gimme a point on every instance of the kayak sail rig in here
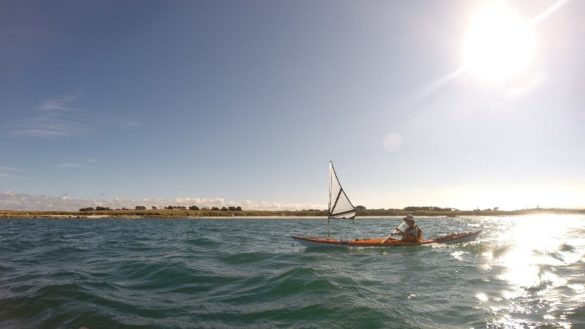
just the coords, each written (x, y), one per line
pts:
(339, 204)
(341, 207)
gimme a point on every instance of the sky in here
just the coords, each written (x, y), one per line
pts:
(246, 102)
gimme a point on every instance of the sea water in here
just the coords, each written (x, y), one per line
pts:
(522, 272)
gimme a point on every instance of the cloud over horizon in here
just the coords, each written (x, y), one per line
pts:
(18, 201)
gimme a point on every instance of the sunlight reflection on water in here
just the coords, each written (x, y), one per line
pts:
(536, 257)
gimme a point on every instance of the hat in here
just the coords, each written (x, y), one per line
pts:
(408, 217)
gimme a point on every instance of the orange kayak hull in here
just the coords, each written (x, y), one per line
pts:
(379, 242)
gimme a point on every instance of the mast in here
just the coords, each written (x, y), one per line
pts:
(331, 173)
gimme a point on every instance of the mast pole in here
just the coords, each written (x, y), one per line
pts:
(329, 206)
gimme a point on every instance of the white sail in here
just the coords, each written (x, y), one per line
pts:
(339, 204)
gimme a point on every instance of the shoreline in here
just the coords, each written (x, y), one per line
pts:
(260, 214)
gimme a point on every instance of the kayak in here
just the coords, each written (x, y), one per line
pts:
(315, 242)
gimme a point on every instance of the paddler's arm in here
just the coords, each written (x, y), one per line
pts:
(391, 234)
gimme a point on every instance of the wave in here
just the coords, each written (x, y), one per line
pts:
(230, 274)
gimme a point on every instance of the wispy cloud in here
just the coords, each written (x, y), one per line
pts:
(63, 117)
(46, 127)
(58, 104)
(9, 173)
(14, 201)
(53, 118)
(77, 163)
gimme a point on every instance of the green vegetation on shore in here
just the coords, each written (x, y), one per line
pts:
(214, 212)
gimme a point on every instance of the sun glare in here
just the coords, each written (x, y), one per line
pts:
(499, 43)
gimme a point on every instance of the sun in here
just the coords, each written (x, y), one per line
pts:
(499, 44)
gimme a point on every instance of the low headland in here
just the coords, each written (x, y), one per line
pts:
(182, 212)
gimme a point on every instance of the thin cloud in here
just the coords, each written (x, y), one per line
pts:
(77, 163)
(62, 117)
(58, 104)
(9, 173)
(46, 126)
(110, 120)
(54, 118)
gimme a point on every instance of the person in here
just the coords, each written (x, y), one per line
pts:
(412, 233)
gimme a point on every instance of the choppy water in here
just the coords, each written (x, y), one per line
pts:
(524, 272)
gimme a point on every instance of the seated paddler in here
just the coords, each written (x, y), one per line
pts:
(408, 230)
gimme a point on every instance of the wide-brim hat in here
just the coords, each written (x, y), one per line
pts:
(408, 217)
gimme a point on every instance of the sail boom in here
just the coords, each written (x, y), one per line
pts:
(343, 213)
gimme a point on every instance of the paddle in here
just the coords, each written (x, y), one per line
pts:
(396, 231)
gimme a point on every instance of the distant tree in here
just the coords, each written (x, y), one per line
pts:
(87, 209)
(169, 207)
(214, 208)
(140, 208)
(223, 209)
(102, 208)
(238, 208)
(360, 207)
(232, 208)
(153, 207)
(431, 208)
(193, 208)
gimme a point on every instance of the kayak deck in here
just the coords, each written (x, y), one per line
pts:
(379, 242)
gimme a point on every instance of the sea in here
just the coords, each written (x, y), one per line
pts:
(522, 272)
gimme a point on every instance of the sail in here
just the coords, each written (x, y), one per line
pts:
(339, 204)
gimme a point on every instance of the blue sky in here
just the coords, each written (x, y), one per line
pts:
(246, 102)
